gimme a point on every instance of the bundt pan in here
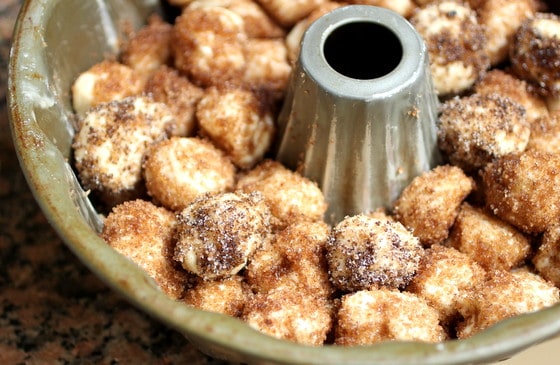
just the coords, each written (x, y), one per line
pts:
(54, 40)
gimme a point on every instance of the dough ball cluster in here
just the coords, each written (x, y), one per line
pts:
(174, 140)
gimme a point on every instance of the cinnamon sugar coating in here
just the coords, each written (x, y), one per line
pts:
(144, 233)
(493, 243)
(167, 86)
(226, 296)
(181, 169)
(446, 279)
(535, 52)
(287, 193)
(371, 316)
(519, 189)
(456, 44)
(545, 134)
(504, 295)
(429, 205)
(476, 129)
(547, 257)
(217, 234)
(364, 252)
(111, 143)
(238, 122)
(294, 258)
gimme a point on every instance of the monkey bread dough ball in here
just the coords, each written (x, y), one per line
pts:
(180, 169)
(149, 48)
(476, 129)
(111, 142)
(500, 19)
(288, 13)
(217, 234)
(226, 296)
(456, 44)
(144, 233)
(535, 53)
(208, 45)
(293, 258)
(238, 123)
(547, 257)
(267, 69)
(258, 24)
(504, 295)
(497, 81)
(104, 82)
(167, 86)
(370, 316)
(446, 278)
(493, 243)
(364, 252)
(522, 189)
(429, 205)
(287, 193)
(290, 315)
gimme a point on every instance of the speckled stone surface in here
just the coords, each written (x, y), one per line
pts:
(53, 310)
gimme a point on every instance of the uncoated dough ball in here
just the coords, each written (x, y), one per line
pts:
(216, 234)
(364, 252)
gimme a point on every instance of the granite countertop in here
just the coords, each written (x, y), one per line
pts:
(53, 310)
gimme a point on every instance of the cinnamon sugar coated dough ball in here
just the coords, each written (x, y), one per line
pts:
(238, 123)
(547, 257)
(113, 137)
(500, 19)
(289, 12)
(287, 193)
(226, 296)
(476, 129)
(545, 134)
(371, 316)
(167, 86)
(257, 23)
(446, 279)
(180, 169)
(267, 69)
(144, 233)
(149, 48)
(208, 45)
(522, 189)
(364, 252)
(506, 295)
(290, 315)
(430, 203)
(104, 82)
(217, 234)
(455, 42)
(493, 243)
(294, 258)
(538, 61)
(497, 81)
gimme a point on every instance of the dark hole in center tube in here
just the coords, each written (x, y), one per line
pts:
(363, 50)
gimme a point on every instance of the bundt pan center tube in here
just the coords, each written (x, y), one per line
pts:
(360, 112)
